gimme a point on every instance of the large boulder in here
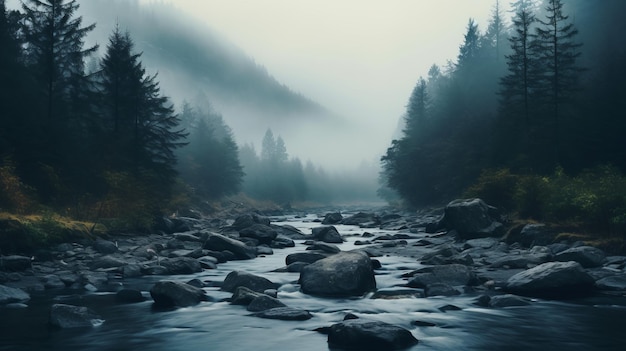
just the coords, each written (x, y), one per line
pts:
(218, 242)
(327, 234)
(253, 282)
(613, 282)
(12, 295)
(264, 302)
(587, 256)
(168, 293)
(70, 316)
(552, 279)
(361, 334)
(261, 232)
(472, 218)
(450, 274)
(344, 274)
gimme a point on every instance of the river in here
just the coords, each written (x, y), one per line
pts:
(588, 324)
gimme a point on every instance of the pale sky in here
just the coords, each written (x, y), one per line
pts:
(359, 58)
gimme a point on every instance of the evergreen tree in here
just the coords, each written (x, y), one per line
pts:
(516, 88)
(55, 48)
(469, 51)
(144, 128)
(556, 52)
(496, 31)
(417, 110)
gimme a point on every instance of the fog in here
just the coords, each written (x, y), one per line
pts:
(357, 59)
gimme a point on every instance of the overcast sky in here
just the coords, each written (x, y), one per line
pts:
(360, 58)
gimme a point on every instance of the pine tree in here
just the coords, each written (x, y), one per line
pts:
(517, 84)
(144, 128)
(417, 110)
(55, 48)
(495, 31)
(556, 52)
(468, 52)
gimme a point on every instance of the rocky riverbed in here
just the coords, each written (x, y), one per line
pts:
(340, 276)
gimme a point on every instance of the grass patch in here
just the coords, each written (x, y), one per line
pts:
(28, 233)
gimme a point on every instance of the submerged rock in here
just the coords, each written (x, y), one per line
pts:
(253, 282)
(176, 294)
(12, 295)
(361, 334)
(285, 314)
(70, 316)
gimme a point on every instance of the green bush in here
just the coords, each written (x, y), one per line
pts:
(594, 199)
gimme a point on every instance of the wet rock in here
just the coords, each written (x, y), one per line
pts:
(615, 282)
(105, 246)
(288, 231)
(324, 247)
(52, 281)
(282, 242)
(12, 295)
(244, 296)
(218, 242)
(535, 234)
(521, 261)
(129, 296)
(552, 279)
(181, 265)
(249, 219)
(361, 334)
(132, 271)
(451, 274)
(507, 300)
(187, 237)
(472, 218)
(107, 262)
(96, 279)
(174, 244)
(176, 294)
(361, 219)
(263, 233)
(264, 302)
(253, 282)
(264, 250)
(308, 257)
(343, 274)
(15, 263)
(440, 289)
(327, 234)
(587, 256)
(70, 316)
(395, 293)
(332, 218)
(285, 314)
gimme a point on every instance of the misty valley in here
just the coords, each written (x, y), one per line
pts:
(161, 189)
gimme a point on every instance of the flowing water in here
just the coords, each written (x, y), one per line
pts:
(590, 324)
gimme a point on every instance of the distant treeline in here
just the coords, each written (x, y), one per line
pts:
(525, 96)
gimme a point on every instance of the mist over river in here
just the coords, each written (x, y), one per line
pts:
(586, 324)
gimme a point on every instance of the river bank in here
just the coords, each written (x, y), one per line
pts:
(429, 281)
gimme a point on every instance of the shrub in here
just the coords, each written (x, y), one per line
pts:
(495, 186)
(14, 195)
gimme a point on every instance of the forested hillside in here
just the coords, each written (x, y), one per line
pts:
(529, 115)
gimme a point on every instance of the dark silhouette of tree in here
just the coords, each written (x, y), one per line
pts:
(417, 109)
(145, 130)
(556, 52)
(55, 48)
